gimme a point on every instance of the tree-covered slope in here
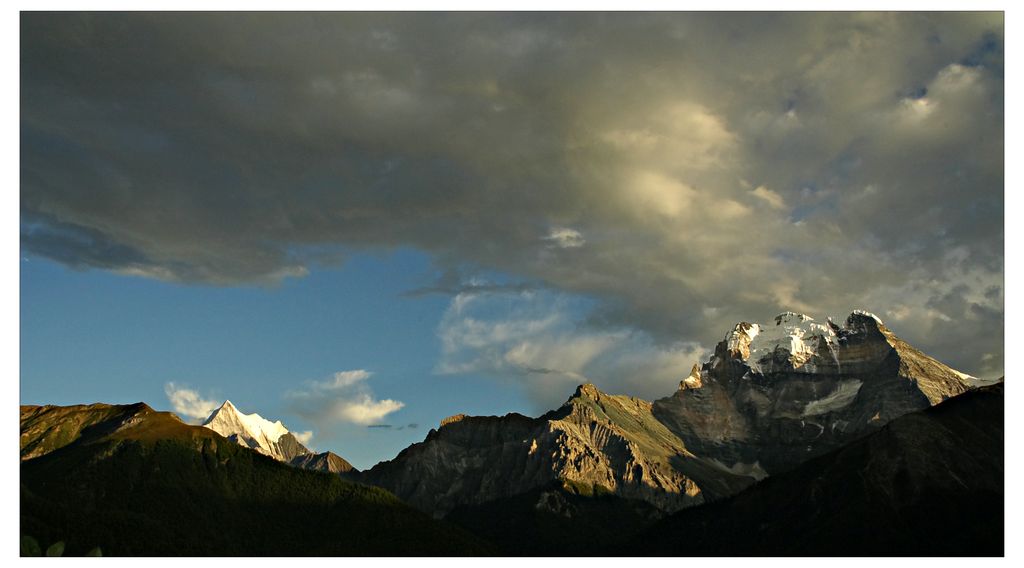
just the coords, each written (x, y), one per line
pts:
(139, 482)
(563, 519)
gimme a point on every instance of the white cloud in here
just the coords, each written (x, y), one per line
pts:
(188, 402)
(344, 397)
(773, 199)
(344, 379)
(539, 339)
(304, 438)
(565, 238)
(363, 409)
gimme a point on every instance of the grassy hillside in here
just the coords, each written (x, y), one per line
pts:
(138, 482)
(46, 428)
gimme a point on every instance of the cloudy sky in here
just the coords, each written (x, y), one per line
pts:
(360, 223)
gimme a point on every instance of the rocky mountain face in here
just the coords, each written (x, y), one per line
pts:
(771, 397)
(324, 461)
(595, 441)
(46, 428)
(930, 483)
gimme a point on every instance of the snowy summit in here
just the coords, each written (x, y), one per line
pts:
(254, 431)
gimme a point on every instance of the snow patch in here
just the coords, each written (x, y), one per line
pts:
(739, 468)
(796, 333)
(975, 382)
(840, 398)
(795, 343)
(741, 336)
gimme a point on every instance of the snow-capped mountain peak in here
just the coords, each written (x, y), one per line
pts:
(254, 431)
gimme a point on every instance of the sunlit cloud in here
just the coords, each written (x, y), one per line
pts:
(305, 438)
(566, 238)
(188, 402)
(541, 341)
(344, 397)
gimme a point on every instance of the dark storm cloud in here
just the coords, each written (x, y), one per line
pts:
(687, 170)
(76, 246)
(390, 426)
(454, 281)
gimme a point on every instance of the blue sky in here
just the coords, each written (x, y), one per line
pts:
(95, 336)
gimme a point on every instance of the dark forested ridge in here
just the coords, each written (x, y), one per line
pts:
(927, 484)
(139, 482)
(563, 519)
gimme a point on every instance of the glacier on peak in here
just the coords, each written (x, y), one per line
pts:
(797, 334)
(793, 341)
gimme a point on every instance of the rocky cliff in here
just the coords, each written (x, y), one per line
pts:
(324, 461)
(593, 443)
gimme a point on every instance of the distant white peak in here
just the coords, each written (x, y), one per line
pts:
(228, 420)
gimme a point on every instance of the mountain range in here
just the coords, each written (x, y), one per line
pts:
(769, 398)
(137, 482)
(790, 428)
